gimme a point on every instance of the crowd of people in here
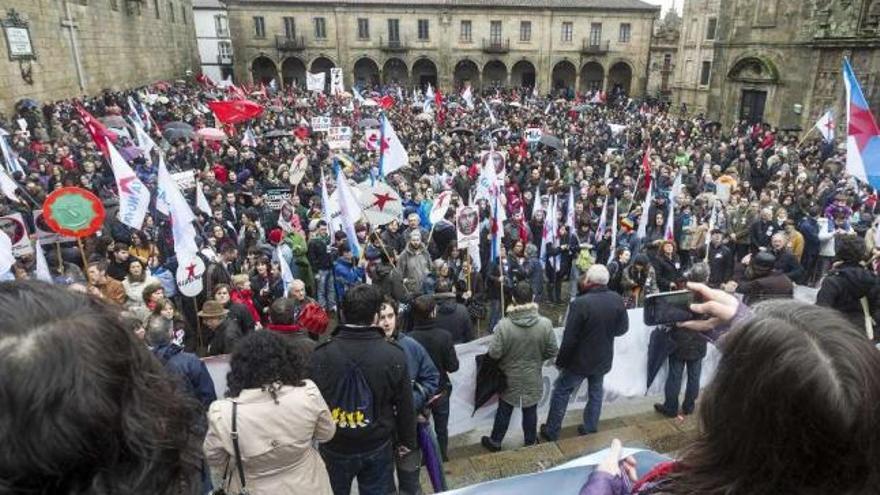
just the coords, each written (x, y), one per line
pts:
(617, 200)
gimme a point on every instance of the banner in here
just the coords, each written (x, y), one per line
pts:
(339, 138)
(533, 134)
(185, 179)
(320, 124)
(44, 234)
(276, 196)
(380, 202)
(467, 224)
(336, 86)
(14, 227)
(315, 82)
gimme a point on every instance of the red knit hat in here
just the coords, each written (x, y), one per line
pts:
(275, 236)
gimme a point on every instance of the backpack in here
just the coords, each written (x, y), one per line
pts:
(352, 407)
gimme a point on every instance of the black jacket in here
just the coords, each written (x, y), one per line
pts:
(668, 274)
(844, 287)
(383, 364)
(318, 254)
(720, 264)
(689, 345)
(773, 286)
(760, 233)
(438, 342)
(788, 265)
(388, 280)
(224, 337)
(241, 315)
(453, 317)
(594, 319)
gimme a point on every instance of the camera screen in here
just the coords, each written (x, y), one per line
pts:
(673, 307)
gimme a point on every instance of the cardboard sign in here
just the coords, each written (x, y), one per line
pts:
(339, 138)
(494, 157)
(277, 196)
(533, 134)
(336, 86)
(315, 82)
(14, 227)
(320, 124)
(185, 179)
(44, 234)
(298, 168)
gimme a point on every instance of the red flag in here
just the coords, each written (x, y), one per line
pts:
(235, 111)
(646, 166)
(236, 92)
(386, 102)
(205, 80)
(97, 130)
(301, 132)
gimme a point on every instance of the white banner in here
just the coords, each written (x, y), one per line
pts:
(315, 82)
(320, 124)
(533, 134)
(14, 227)
(336, 86)
(185, 179)
(339, 138)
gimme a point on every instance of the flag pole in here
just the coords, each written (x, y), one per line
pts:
(798, 146)
(82, 253)
(198, 324)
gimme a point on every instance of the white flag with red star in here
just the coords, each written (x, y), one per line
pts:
(826, 125)
(134, 197)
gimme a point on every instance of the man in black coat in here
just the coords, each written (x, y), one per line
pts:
(720, 260)
(438, 342)
(359, 349)
(786, 262)
(595, 318)
(452, 315)
(762, 230)
(848, 282)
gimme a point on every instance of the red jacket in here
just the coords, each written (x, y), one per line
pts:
(246, 298)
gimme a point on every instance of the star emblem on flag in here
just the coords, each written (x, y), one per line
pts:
(125, 184)
(191, 270)
(381, 199)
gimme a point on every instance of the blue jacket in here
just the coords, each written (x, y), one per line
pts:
(346, 275)
(422, 372)
(189, 367)
(809, 228)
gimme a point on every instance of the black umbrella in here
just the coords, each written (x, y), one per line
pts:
(175, 133)
(660, 347)
(551, 141)
(461, 130)
(490, 380)
(178, 125)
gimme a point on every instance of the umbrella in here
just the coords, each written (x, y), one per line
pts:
(277, 133)
(178, 125)
(461, 130)
(114, 121)
(660, 346)
(365, 123)
(427, 117)
(212, 134)
(551, 141)
(490, 380)
(175, 133)
(431, 457)
(27, 104)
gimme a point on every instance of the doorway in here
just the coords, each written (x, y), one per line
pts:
(751, 107)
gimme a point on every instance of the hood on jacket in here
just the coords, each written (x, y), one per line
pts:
(860, 278)
(166, 351)
(446, 302)
(523, 315)
(382, 272)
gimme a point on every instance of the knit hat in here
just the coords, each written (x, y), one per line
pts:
(275, 236)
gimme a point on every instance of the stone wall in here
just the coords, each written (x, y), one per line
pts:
(119, 48)
(695, 47)
(444, 50)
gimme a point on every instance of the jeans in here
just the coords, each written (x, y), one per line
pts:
(673, 384)
(494, 314)
(440, 416)
(566, 383)
(502, 421)
(374, 470)
(326, 290)
(408, 469)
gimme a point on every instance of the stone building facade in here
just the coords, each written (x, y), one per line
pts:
(780, 61)
(573, 44)
(696, 53)
(664, 56)
(85, 46)
(212, 36)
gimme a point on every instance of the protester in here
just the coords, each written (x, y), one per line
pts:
(762, 281)
(223, 332)
(365, 381)
(849, 287)
(107, 287)
(138, 432)
(269, 422)
(521, 343)
(283, 321)
(595, 318)
(452, 316)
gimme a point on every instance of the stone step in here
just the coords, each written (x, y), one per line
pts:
(473, 464)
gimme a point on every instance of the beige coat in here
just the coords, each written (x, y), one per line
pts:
(276, 440)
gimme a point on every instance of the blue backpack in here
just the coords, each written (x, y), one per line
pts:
(352, 408)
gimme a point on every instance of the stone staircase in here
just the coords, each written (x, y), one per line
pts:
(472, 464)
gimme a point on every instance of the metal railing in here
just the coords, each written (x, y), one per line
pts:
(292, 44)
(592, 47)
(494, 45)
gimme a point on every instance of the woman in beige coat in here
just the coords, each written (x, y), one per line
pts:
(280, 417)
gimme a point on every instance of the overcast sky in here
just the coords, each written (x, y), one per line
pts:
(667, 4)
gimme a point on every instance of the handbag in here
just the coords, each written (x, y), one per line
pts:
(237, 451)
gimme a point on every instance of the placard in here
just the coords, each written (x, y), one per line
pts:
(467, 224)
(336, 86)
(185, 179)
(495, 157)
(276, 196)
(298, 168)
(320, 124)
(533, 134)
(339, 138)
(189, 276)
(371, 139)
(13, 225)
(44, 234)
(315, 82)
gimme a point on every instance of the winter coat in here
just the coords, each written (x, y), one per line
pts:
(522, 341)
(319, 253)
(346, 275)
(276, 438)
(388, 280)
(788, 265)
(772, 286)
(383, 365)
(241, 314)
(720, 264)
(453, 317)
(422, 373)
(636, 288)
(438, 342)
(246, 299)
(668, 272)
(760, 233)
(413, 267)
(809, 228)
(595, 318)
(224, 337)
(844, 287)
(188, 366)
(394, 242)
(689, 345)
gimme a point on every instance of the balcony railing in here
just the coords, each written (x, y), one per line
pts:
(595, 48)
(395, 45)
(494, 45)
(292, 44)
(224, 59)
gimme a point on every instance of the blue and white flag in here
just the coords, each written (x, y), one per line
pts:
(249, 139)
(134, 197)
(349, 208)
(10, 157)
(170, 200)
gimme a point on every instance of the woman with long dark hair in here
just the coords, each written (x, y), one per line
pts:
(119, 422)
(279, 416)
(792, 408)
